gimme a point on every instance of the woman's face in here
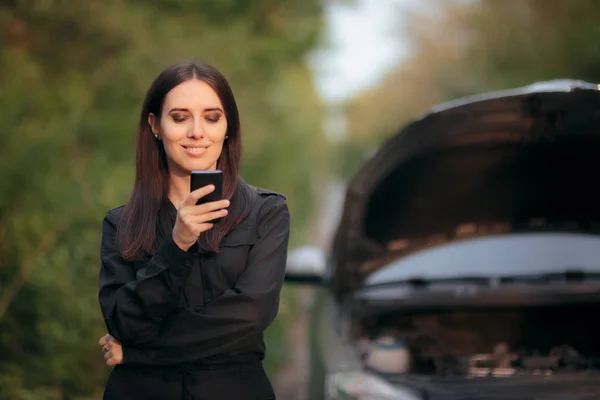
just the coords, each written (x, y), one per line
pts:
(192, 127)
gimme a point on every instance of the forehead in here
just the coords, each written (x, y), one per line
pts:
(193, 95)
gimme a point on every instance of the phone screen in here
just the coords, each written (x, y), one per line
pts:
(200, 179)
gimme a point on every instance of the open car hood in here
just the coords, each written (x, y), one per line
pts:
(511, 161)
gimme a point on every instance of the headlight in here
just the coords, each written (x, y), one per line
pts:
(364, 386)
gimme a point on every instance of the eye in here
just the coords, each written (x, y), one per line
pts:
(213, 118)
(179, 117)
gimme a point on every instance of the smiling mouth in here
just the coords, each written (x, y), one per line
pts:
(195, 149)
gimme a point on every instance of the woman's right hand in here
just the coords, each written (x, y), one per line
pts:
(194, 219)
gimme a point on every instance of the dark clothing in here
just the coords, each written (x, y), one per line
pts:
(178, 308)
(229, 382)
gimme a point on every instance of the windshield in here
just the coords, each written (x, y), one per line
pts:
(522, 254)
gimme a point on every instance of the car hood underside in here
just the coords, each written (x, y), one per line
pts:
(524, 162)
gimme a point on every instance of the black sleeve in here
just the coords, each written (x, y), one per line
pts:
(135, 299)
(239, 316)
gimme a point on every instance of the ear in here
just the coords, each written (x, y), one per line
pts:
(153, 122)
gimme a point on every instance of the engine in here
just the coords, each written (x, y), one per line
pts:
(484, 343)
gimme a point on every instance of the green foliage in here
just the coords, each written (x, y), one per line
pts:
(72, 78)
(462, 47)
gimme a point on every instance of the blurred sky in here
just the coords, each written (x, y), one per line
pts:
(364, 41)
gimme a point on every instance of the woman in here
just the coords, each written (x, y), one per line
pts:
(186, 301)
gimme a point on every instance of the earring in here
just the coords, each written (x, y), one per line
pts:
(155, 136)
(226, 137)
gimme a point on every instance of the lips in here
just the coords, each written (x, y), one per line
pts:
(195, 149)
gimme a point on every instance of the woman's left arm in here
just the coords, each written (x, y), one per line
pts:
(238, 317)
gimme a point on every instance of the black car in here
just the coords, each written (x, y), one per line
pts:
(466, 262)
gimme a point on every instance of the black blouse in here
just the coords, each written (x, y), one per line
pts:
(175, 306)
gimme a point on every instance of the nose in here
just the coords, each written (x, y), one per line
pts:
(196, 129)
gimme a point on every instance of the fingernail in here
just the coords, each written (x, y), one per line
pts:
(226, 202)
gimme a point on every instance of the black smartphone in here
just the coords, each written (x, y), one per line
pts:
(199, 179)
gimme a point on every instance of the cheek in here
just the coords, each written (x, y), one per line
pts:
(217, 133)
(171, 135)
(174, 131)
(217, 148)
(217, 136)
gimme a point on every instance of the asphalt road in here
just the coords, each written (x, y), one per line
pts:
(291, 382)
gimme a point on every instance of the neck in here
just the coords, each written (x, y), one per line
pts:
(179, 184)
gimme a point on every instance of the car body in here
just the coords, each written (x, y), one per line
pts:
(466, 261)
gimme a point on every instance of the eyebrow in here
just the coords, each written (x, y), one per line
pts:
(205, 110)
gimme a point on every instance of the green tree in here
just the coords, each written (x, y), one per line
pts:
(72, 79)
(462, 47)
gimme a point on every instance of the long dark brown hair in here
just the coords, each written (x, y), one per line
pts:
(140, 225)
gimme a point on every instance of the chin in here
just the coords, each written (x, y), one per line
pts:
(186, 168)
(200, 166)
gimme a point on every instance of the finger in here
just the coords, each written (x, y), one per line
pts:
(111, 362)
(198, 194)
(203, 227)
(198, 228)
(112, 339)
(212, 206)
(104, 339)
(211, 216)
(108, 355)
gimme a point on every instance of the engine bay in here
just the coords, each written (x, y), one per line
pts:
(540, 341)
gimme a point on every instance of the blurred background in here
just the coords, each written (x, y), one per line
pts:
(320, 84)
